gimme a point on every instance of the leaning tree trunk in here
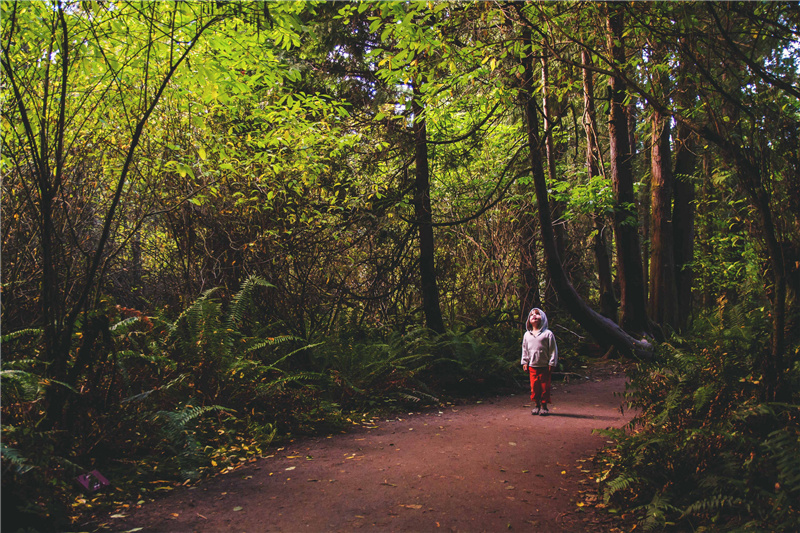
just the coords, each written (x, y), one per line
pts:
(557, 207)
(604, 331)
(608, 300)
(626, 228)
(424, 219)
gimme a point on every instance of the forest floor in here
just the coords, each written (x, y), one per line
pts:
(485, 465)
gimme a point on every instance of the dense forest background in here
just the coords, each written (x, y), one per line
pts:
(229, 222)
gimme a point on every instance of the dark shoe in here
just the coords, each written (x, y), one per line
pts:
(535, 410)
(544, 411)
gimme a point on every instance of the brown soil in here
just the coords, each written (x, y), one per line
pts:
(486, 466)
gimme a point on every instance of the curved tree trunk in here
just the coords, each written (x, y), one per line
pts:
(604, 331)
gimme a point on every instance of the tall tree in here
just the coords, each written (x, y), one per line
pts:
(52, 105)
(423, 218)
(633, 312)
(606, 332)
(663, 293)
(683, 207)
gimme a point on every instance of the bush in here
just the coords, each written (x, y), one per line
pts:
(704, 451)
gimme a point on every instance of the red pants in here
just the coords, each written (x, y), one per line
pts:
(540, 384)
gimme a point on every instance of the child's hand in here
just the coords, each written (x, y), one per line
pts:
(525, 368)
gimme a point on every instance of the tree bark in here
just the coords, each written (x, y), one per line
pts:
(529, 271)
(557, 207)
(683, 209)
(424, 219)
(626, 227)
(604, 331)
(663, 290)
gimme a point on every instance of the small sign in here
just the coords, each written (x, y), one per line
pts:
(93, 481)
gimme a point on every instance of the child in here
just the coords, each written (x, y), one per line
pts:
(539, 358)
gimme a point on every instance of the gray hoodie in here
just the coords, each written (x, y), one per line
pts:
(539, 347)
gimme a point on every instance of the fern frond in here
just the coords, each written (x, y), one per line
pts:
(621, 482)
(123, 325)
(243, 299)
(656, 512)
(270, 341)
(416, 396)
(190, 314)
(19, 386)
(16, 459)
(20, 333)
(176, 422)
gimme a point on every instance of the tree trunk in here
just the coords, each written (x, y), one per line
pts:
(557, 208)
(608, 300)
(663, 290)
(529, 271)
(604, 331)
(683, 210)
(626, 227)
(424, 219)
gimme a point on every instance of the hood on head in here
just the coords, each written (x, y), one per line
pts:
(528, 321)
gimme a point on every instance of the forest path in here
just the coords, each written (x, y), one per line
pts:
(487, 466)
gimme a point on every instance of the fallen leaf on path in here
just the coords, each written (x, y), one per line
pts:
(512, 443)
(411, 506)
(293, 467)
(237, 508)
(118, 515)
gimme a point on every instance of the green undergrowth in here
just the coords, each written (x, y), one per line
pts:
(705, 452)
(167, 402)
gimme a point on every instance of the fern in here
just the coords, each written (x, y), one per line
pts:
(243, 299)
(17, 461)
(657, 511)
(619, 483)
(20, 333)
(19, 386)
(122, 326)
(177, 421)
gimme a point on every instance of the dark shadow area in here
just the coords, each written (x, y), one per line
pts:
(573, 415)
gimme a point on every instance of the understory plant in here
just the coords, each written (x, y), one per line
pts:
(705, 451)
(167, 401)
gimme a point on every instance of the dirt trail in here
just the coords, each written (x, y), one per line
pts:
(479, 467)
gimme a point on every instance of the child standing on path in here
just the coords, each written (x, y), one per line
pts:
(539, 358)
